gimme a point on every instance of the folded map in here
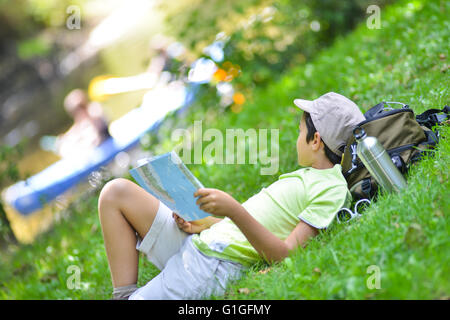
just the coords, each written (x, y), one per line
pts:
(169, 180)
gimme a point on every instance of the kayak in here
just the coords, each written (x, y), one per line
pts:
(32, 194)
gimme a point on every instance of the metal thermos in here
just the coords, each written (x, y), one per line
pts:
(378, 162)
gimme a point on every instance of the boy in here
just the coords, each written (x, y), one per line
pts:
(199, 258)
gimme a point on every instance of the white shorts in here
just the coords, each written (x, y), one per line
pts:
(186, 273)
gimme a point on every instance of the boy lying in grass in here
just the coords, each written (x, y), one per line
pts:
(199, 258)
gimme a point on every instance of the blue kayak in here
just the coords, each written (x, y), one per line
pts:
(33, 193)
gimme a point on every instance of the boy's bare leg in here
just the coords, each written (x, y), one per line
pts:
(124, 209)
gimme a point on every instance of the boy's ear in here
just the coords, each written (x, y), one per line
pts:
(315, 143)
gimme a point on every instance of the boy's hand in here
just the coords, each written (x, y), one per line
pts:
(216, 202)
(187, 226)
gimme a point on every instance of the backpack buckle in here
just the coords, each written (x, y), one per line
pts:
(354, 156)
(366, 187)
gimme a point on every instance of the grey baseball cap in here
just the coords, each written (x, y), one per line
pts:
(334, 117)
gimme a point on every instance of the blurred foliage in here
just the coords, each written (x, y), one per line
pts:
(263, 37)
(24, 18)
(9, 173)
(32, 26)
(9, 156)
(33, 47)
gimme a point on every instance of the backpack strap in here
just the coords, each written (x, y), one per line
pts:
(432, 140)
(366, 188)
(431, 117)
(372, 112)
(381, 107)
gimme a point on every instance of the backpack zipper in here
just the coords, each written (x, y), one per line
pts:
(385, 114)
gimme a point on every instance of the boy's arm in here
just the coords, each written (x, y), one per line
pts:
(269, 246)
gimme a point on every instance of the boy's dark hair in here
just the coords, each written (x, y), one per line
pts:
(311, 129)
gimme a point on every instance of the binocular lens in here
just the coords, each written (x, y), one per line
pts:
(361, 205)
(344, 215)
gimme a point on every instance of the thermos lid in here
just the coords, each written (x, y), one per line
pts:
(359, 133)
(368, 147)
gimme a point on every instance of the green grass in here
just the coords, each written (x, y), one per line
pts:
(405, 235)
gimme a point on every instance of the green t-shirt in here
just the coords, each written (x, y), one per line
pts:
(311, 195)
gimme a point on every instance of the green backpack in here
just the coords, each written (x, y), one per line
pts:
(406, 138)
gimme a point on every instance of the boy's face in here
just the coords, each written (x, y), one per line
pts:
(304, 149)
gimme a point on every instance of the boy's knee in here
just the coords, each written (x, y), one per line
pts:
(113, 191)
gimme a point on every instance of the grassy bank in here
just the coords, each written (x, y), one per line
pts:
(404, 235)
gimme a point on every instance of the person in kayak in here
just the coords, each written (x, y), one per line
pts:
(89, 128)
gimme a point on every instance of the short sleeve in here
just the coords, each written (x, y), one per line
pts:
(322, 209)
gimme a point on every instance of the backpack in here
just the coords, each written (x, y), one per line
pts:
(406, 138)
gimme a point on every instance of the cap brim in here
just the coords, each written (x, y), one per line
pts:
(305, 105)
